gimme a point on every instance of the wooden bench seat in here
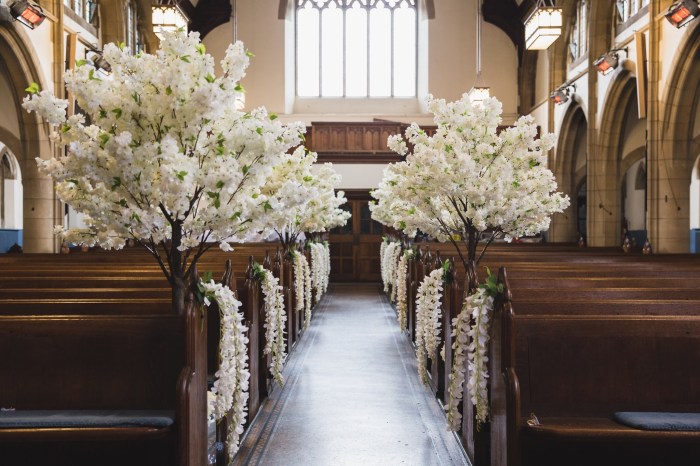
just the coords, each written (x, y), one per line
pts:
(573, 370)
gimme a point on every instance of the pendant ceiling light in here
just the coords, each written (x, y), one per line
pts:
(543, 26)
(479, 92)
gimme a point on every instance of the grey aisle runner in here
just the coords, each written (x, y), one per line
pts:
(351, 394)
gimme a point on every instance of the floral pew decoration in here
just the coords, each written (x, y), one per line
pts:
(467, 180)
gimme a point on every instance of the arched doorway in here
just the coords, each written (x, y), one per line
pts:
(695, 207)
(10, 200)
(570, 172)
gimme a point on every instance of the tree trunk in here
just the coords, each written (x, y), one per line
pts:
(177, 278)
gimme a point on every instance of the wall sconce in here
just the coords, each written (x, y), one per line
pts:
(682, 12)
(543, 26)
(168, 17)
(607, 62)
(562, 93)
(29, 14)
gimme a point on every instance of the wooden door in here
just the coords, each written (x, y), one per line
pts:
(355, 247)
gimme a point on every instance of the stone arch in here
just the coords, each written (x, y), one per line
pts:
(670, 175)
(607, 171)
(569, 171)
(39, 203)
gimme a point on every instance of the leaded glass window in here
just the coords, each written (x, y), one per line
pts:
(578, 38)
(356, 48)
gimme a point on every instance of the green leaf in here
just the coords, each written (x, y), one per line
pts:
(65, 128)
(116, 182)
(238, 88)
(104, 137)
(534, 163)
(308, 178)
(103, 113)
(273, 116)
(200, 48)
(117, 112)
(219, 150)
(33, 88)
(245, 169)
(181, 175)
(402, 225)
(267, 206)
(185, 58)
(121, 45)
(219, 184)
(209, 78)
(249, 54)
(91, 75)
(122, 202)
(168, 90)
(259, 130)
(136, 97)
(236, 216)
(136, 217)
(79, 63)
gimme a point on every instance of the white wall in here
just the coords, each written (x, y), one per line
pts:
(359, 176)
(13, 204)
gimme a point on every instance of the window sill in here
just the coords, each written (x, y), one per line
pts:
(357, 105)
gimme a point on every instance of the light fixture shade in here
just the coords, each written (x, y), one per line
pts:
(478, 94)
(682, 12)
(606, 63)
(543, 27)
(559, 96)
(167, 18)
(29, 14)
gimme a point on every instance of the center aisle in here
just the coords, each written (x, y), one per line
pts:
(351, 394)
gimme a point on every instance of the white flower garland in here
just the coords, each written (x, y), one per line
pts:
(275, 318)
(302, 286)
(481, 305)
(460, 347)
(230, 390)
(471, 343)
(391, 258)
(428, 314)
(401, 288)
(320, 268)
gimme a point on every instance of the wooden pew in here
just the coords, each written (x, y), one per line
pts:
(575, 370)
(109, 363)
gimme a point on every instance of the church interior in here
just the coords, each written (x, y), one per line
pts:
(362, 340)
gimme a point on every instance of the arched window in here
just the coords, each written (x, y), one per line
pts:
(83, 8)
(578, 38)
(133, 37)
(628, 8)
(356, 48)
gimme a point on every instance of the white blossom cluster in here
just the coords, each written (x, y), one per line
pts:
(302, 286)
(230, 390)
(469, 176)
(428, 315)
(314, 206)
(320, 268)
(480, 306)
(163, 155)
(275, 319)
(401, 288)
(389, 258)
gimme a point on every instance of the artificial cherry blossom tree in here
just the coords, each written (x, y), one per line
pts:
(468, 179)
(162, 156)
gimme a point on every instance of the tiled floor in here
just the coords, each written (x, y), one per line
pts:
(351, 395)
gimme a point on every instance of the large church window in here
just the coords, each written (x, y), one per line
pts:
(356, 48)
(628, 8)
(578, 38)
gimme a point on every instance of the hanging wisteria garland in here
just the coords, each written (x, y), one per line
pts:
(428, 314)
(320, 268)
(302, 285)
(388, 265)
(472, 342)
(275, 318)
(230, 390)
(401, 288)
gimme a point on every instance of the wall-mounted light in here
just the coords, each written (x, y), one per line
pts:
(98, 60)
(168, 17)
(29, 14)
(562, 93)
(607, 62)
(682, 12)
(543, 26)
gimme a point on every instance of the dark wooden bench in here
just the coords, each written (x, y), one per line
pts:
(574, 371)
